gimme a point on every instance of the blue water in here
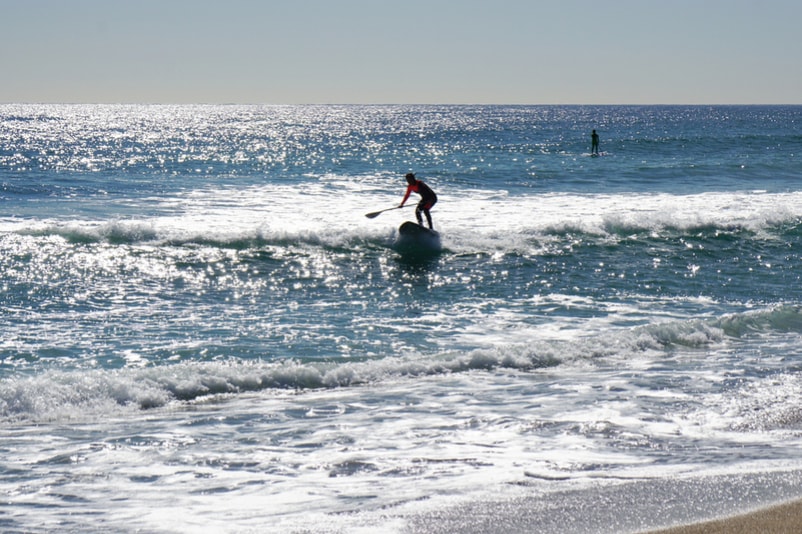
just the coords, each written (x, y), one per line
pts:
(195, 306)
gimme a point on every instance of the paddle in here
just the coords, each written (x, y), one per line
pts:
(375, 214)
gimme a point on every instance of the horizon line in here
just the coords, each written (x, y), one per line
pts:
(167, 103)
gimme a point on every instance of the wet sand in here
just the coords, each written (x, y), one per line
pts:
(748, 503)
(780, 519)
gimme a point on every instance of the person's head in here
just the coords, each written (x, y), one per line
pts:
(410, 178)
(594, 131)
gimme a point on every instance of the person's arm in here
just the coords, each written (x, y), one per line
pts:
(409, 190)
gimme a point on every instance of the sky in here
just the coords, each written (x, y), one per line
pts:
(401, 52)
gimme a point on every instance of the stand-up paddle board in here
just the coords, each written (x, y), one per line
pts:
(416, 239)
(412, 229)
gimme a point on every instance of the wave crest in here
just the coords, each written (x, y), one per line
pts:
(69, 395)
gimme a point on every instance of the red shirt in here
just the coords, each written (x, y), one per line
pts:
(423, 190)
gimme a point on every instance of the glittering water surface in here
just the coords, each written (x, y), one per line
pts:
(194, 305)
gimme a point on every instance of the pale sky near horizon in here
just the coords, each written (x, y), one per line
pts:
(412, 51)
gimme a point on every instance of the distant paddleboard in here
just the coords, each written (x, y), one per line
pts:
(416, 239)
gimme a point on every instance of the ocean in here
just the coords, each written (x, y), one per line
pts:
(202, 332)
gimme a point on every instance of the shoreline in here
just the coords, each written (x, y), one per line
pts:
(765, 502)
(783, 518)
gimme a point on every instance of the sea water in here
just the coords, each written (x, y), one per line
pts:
(201, 330)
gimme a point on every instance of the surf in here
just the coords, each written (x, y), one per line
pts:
(62, 395)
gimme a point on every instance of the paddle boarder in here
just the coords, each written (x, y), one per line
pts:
(594, 143)
(428, 198)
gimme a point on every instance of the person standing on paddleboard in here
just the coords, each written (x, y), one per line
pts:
(428, 198)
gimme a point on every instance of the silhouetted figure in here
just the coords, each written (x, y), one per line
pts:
(428, 198)
(594, 143)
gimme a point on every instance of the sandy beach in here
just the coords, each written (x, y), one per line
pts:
(784, 518)
(764, 503)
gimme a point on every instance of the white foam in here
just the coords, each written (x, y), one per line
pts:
(332, 212)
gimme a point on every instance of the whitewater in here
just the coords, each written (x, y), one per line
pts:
(201, 330)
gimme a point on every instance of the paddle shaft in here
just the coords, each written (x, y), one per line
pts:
(374, 214)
